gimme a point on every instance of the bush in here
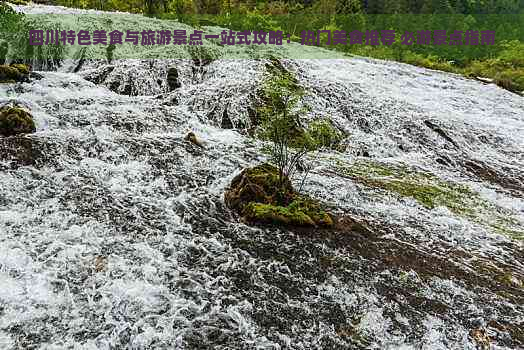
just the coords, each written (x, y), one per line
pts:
(324, 134)
(280, 121)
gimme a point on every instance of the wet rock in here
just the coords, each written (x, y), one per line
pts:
(191, 137)
(481, 338)
(226, 121)
(172, 78)
(15, 121)
(348, 224)
(14, 72)
(363, 152)
(17, 150)
(259, 195)
(444, 160)
(100, 263)
(364, 125)
(35, 76)
(440, 132)
(99, 76)
(505, 177)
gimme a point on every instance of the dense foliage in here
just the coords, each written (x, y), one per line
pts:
(502, 62)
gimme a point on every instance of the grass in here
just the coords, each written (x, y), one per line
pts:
(431, 192)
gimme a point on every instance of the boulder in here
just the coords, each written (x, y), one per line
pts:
(172, 78)
(191, 137)
(259, 196)
(259, 184)
(15, 121)
(14, 73)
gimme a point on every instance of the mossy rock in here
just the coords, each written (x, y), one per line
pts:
(14, 72)
(19, 2)
(325, 134)
(274, 214)
(22, 68)
(260, 185)
(7, 72)
(300, 212)
(259, 196)
(15, 121)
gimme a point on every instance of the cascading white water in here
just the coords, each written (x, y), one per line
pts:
(113, 234)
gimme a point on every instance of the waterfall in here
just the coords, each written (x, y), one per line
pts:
(114, 232)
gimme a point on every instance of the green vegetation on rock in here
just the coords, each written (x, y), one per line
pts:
(14, 73)
(325, 134)
(431, 192)
(279, 111)
(14, 121)
(426, 189)
(259, 184)
(258, 196)
(22, 68)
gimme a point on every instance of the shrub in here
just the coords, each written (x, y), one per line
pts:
(324, 134)
(280, 121)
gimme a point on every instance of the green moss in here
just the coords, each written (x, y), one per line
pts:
(272, 214)
(13, 73)
(22, 68)
(507, 279)
(431, 192)
(431, 195)
(7, 72)
(301, 212)
(426, 189)
(325, 134)
(8, 81)
(260, 184)
(259, 195)
(312, 208)
(372, 169)
(275, 68)
(14, 121)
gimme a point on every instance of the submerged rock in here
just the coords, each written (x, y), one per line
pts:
(172, 78)
(15, 121)
(440, 132)
(259, 195)
(17, 150)
(100, 75)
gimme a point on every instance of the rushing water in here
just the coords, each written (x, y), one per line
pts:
(114, 235)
